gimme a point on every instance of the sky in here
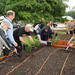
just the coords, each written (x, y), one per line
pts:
(71, 3)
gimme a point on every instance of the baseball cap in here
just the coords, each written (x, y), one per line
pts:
(30, 27)
(5, 22)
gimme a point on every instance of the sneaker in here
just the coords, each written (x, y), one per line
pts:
(67, 47)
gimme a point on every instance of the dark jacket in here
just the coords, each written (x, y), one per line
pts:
(45, 35)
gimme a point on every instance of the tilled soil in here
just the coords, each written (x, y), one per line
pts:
(45, 60)
(70, 65)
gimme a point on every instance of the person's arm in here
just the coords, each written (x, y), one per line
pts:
(11, 38)
(71, 39)
(30, 38)
(21, 39)
(4, 26)
(39, 37)
(40, 33)
(48, 39)
(70, 29)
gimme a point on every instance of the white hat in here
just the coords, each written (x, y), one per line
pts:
(7, 23)
(30, 27)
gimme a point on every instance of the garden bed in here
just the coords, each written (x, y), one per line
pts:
(62, 43)
(43, 60)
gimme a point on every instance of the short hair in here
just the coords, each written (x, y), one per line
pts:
(10, 12)
(47, 27)
(42, 19)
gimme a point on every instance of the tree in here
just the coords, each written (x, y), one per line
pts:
(29, 10)
(2, 7)
(71, 13)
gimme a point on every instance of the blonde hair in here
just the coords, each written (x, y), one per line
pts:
(51, 23)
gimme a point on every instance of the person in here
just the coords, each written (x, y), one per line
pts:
(36, 29)
(72, 38)
(51, 26)
(41, 23)
(45, 34)
(19, 34)
(39, 26)
(70, 26)
(6, 31)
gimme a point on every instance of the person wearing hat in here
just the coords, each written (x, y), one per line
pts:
(19, 33)
(70, 26)
(69, 44)
(45, 34)
(6, 31)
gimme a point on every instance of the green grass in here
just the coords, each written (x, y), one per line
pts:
(59, 32)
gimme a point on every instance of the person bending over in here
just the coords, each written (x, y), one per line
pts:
(19, 33)
(45, 34)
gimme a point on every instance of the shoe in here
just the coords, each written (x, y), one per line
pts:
(67, 47)
(18, 55)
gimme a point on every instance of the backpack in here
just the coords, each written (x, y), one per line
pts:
(37, 28)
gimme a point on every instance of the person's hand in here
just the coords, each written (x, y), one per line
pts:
(25, 45)
(4, 26)
(15, 50)
(48, 40)
(68, 43)
(15, 44)
(39, 41)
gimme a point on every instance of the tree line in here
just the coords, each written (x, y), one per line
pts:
(71, 13)
(34, 10)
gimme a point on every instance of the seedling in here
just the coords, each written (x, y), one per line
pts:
(55, 40)
(28, 49)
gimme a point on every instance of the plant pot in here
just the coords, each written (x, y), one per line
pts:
(48, 43)
(62, 43)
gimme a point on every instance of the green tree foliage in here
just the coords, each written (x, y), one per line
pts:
(29, 10)
(71, 13)
(2, 7)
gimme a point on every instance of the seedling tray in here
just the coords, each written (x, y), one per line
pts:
(60, 43)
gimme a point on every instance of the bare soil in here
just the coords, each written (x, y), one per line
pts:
(43, 60)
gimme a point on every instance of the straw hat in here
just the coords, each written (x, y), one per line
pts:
(70, 25)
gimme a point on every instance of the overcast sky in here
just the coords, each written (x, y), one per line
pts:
(71, 3)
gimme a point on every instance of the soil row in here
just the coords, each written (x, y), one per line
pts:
(46, 61)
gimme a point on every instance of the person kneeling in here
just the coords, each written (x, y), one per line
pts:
(45, 34)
